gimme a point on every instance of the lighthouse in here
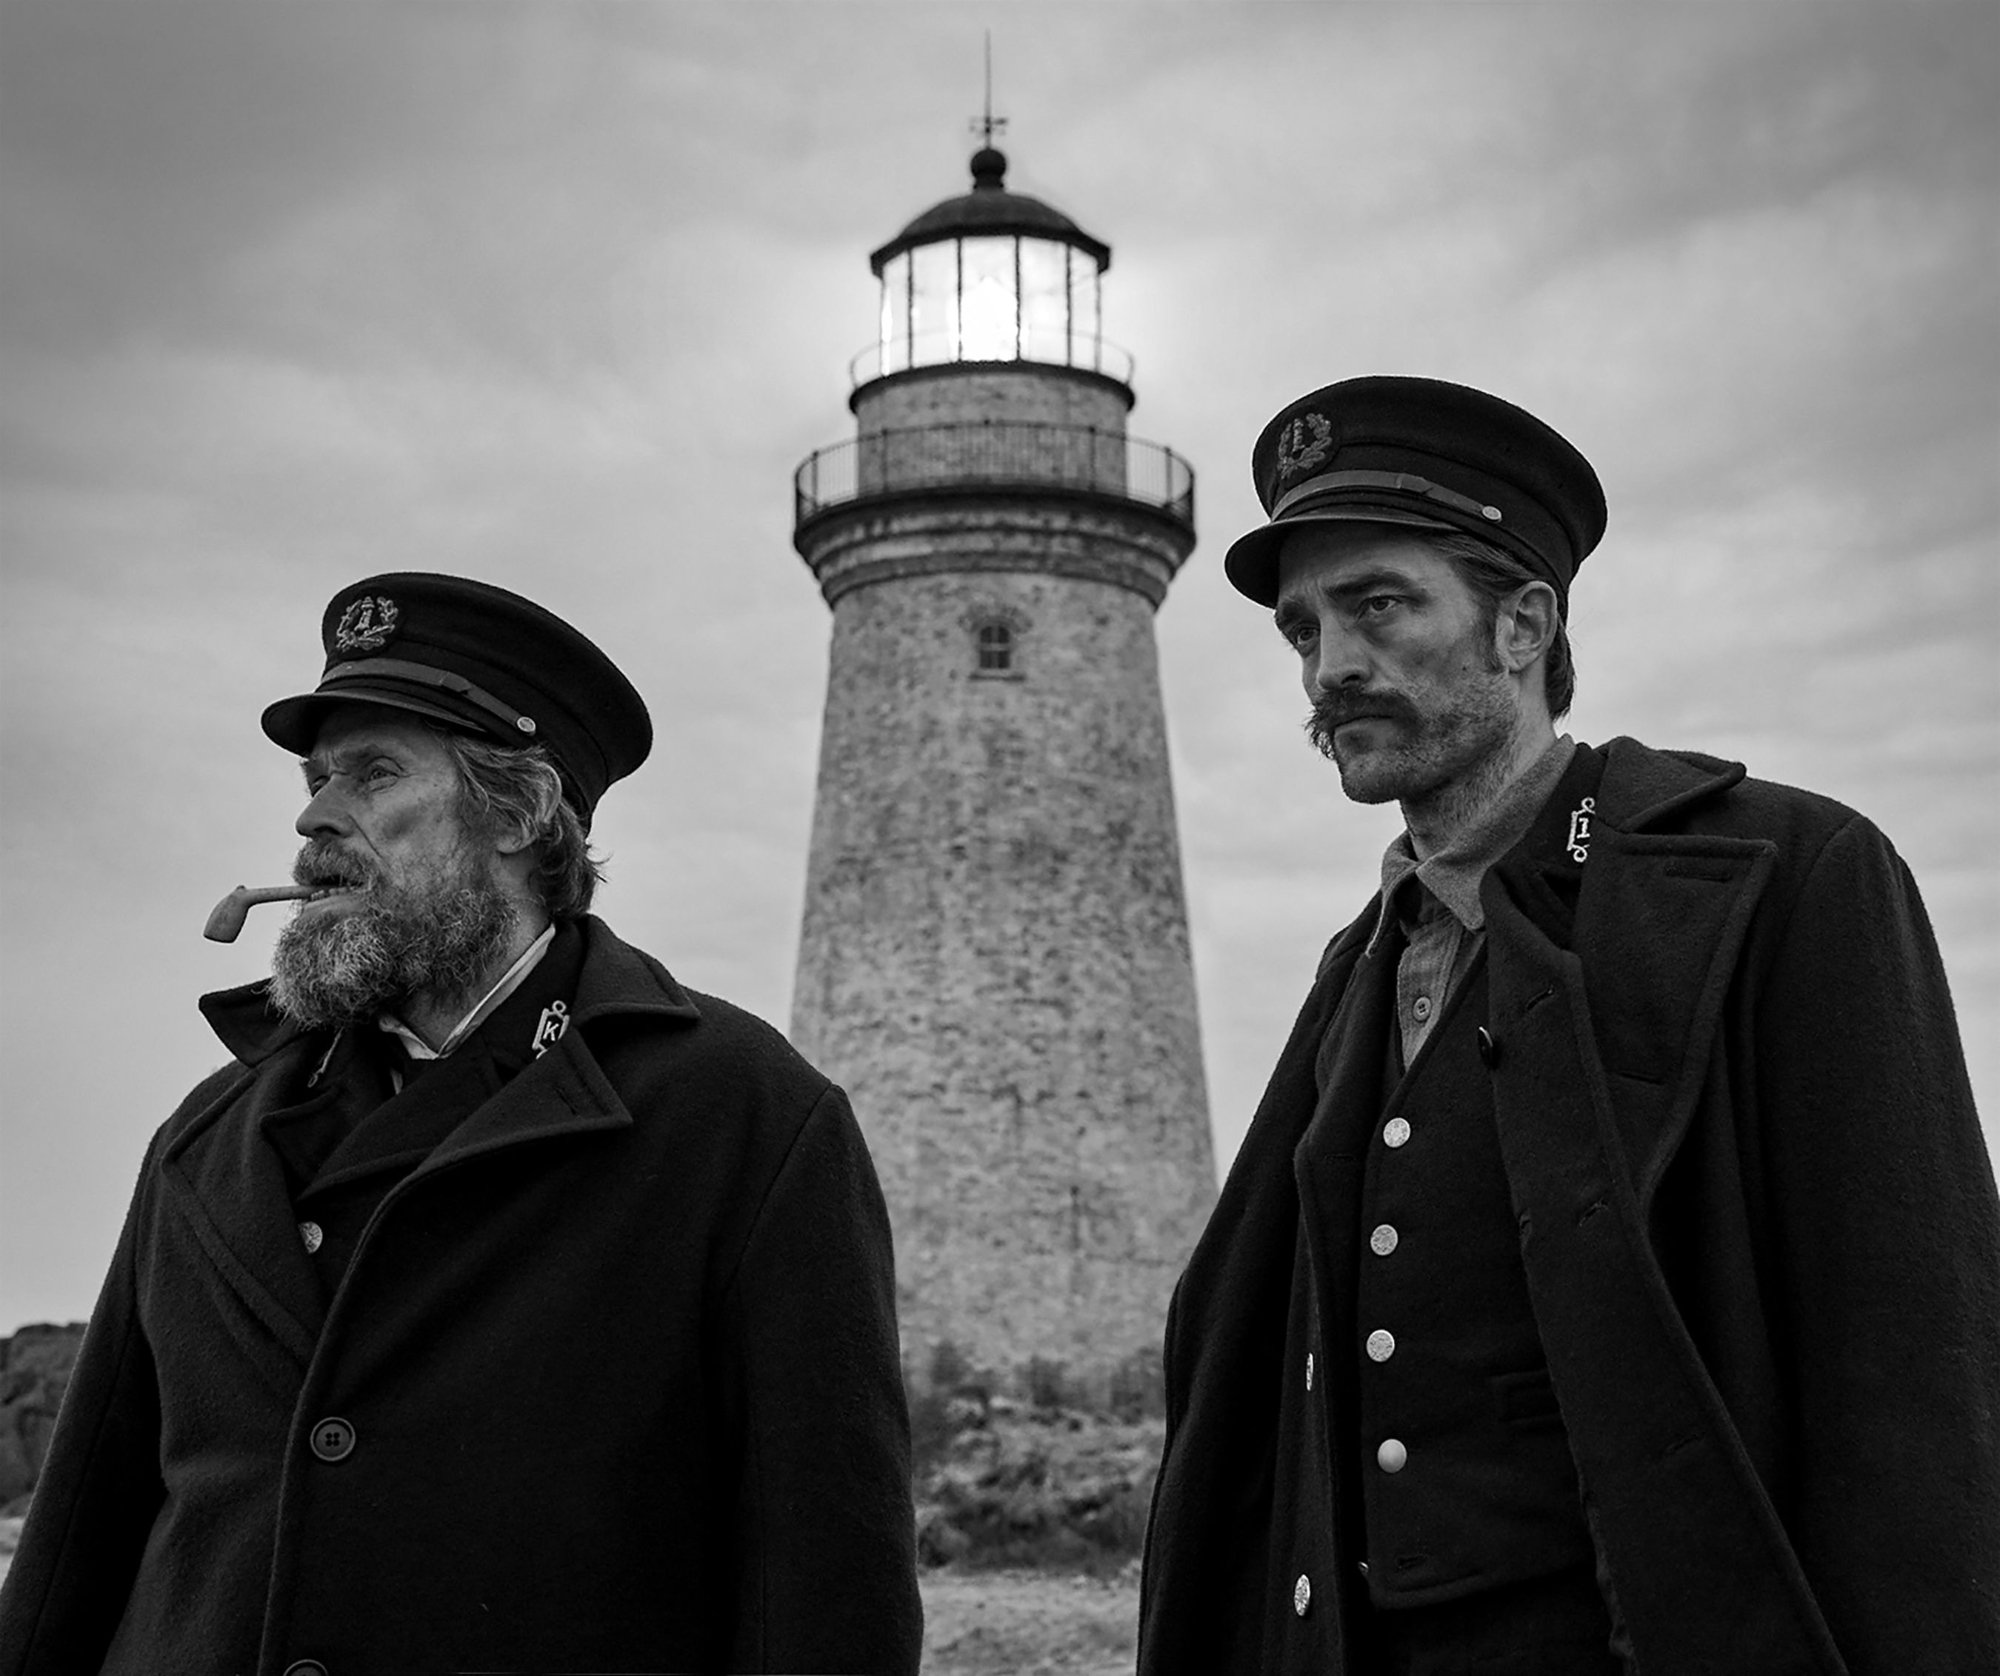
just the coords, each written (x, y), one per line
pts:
(994, 956)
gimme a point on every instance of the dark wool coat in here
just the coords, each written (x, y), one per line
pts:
(1761, 1240)
(619, 1361)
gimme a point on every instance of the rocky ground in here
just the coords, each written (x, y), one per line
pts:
(34, 1372)
(1006, 1486)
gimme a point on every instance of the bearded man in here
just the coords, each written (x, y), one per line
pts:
(503, 1304)
(1610, 1277)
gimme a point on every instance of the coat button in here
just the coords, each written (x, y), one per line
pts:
(1396, 1131)
(333, 1439)
(313, 1235)
(1309, 1370)
(1302, 1594)
(1381, 1345)
(1383, 1240)
(305, 1667)
(1489, 1049)
(1391, 1456)
(1421, 1006)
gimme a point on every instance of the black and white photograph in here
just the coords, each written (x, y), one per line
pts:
(1000, 839)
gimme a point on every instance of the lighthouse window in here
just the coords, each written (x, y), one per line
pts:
(996, 648)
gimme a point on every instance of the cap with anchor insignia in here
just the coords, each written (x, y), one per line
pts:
(1421, 452)
(480, 659)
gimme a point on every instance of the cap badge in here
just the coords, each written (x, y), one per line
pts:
(366, 625)
(550, 1027)
(1302, 444)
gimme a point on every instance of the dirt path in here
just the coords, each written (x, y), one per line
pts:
(1024, 1623)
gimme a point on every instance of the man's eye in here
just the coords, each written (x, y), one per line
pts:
(1375, 605)
(1298, 635)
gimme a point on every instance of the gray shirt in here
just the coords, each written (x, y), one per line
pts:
(1441, 913)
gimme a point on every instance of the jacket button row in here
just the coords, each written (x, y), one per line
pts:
(333, 1440)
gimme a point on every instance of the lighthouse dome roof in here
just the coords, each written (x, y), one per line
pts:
(989, 209)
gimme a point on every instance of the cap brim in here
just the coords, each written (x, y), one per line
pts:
(294, 723)
(1251, 564)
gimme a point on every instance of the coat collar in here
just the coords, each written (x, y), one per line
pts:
(229, 1182)
(1642, 788)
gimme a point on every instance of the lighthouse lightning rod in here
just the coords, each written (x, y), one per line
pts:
(988, 125)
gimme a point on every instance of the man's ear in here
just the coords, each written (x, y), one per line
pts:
(513, 841)
(1525, 625)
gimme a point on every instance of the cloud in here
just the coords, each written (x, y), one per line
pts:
(561, 295)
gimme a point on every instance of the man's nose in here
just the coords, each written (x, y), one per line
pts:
(1342, 659)
(323, 814)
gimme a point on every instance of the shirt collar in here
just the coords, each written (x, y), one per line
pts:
(510, 980)
(1454, 874)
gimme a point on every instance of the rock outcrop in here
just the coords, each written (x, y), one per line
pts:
(34, 1372)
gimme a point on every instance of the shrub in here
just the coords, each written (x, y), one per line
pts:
(1047, 1384)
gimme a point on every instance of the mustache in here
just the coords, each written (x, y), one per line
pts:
(1346, 704)
(325, 865)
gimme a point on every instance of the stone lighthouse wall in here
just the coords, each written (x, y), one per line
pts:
(994, 959)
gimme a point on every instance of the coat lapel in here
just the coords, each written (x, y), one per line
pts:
(1204, 1587)
(565, 1092)
(1601, 1033)
(227, 1183)
(1657, 926)
(226, 1179)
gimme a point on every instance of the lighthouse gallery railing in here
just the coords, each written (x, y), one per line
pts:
(987, 454)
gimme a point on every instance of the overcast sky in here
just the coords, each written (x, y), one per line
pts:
(558, 295)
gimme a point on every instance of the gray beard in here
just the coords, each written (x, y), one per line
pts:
(432, 940)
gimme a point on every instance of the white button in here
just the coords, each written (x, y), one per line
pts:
(1381, 1345)
(1395, 1132)
(310, 1233)
(1383, 1240)
(1302, 1594)
(1309, 1370)
(1421, 1007)
(1391, 1456)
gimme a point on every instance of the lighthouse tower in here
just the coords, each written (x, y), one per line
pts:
(994, 959)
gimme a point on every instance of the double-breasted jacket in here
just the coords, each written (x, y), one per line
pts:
(1758, 1227)
(609, 1380)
